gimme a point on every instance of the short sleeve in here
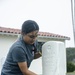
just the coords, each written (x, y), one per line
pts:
(19, 55)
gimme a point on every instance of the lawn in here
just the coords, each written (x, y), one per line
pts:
(71, 73)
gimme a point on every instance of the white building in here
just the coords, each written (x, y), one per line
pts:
(9, 35)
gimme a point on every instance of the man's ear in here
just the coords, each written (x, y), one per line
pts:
(22, 33)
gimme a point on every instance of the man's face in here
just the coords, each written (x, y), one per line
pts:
(30, 37)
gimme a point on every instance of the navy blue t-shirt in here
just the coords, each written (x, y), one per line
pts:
(19, 52)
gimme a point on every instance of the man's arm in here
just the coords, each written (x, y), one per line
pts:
(24, 69)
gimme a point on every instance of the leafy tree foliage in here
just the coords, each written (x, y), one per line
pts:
(70, 67)
(70, 52)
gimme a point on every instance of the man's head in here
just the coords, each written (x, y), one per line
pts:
(29, 31)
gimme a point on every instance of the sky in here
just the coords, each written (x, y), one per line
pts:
(52, 16)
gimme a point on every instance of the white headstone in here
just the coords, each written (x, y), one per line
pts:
(54, 58)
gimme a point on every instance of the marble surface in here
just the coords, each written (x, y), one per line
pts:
(53, 58)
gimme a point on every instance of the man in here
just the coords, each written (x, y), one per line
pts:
(23, 51)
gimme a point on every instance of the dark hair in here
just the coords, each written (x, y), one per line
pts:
(29, 26)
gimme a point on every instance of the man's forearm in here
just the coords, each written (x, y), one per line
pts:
(37, 55)
(28, 72)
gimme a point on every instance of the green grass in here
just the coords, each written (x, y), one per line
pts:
(71, 73)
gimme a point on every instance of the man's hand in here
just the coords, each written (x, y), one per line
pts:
(37, 55)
